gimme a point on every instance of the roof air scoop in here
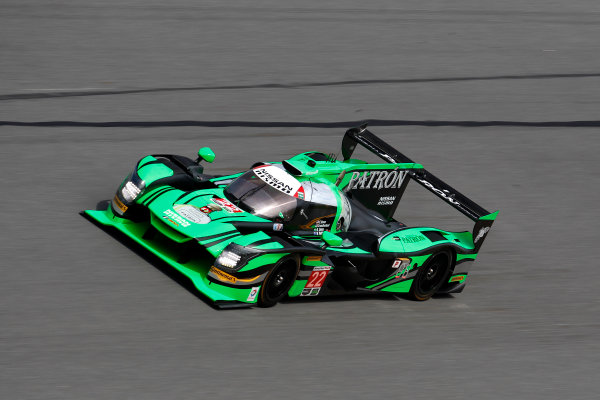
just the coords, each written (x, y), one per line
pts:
(290, 168)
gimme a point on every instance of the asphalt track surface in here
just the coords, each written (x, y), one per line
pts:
(488, 95)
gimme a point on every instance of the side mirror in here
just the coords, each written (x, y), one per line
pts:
(332, 239)
(206, 154)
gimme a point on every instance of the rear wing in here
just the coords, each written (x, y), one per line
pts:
(483, 218)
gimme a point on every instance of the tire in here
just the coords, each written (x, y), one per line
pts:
(431, 276)
(278, 282)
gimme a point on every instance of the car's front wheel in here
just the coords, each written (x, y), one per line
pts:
(278, 282)
(431, 275)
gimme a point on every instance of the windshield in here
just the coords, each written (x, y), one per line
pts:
(261, 198)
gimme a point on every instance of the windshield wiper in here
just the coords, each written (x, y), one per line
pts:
(249, 192)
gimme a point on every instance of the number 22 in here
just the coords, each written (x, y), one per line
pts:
(316, 279)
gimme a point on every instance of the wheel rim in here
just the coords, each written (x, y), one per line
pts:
(434, 274)
(280, 282)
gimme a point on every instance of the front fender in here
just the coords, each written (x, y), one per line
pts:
(151, 169)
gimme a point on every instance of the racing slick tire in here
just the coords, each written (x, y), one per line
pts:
(431, 276)
(278, 282)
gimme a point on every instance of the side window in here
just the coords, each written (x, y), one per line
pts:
(312, 218)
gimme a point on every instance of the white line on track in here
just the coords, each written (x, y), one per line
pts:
(68, 89)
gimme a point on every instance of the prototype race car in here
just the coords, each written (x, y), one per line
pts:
(307, 226)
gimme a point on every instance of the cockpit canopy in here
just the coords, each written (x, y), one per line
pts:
(305, 207)
(266, 191)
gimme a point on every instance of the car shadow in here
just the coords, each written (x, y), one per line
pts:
(359, 296)
(151, 259)
(342, 298)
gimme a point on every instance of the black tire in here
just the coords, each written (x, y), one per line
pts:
(431, 276)
(278, 282)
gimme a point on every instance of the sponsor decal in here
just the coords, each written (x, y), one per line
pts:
(175, 218)
(481, 234)
(253, 294)
(458, 278)
(402, 267)
(321, 226)
(280, 180)
(227, 205)
(318, 224)
(309, 292)
(412, 238)
(277, 227)
(316, 280)
(386, 200)
(376, 180)
(223, 276)
(192, 213)
(117, 202)
(443, 193)
(210, 207)
(403, 274)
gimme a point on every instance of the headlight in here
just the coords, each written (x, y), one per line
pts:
(130, 192)
(228, 259)
(131, 188)
(234, 257)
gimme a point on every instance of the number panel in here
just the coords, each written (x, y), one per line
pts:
(316, 280)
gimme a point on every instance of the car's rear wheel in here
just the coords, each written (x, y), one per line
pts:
(278, 282)
(431, 275)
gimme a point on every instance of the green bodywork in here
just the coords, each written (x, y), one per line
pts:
(170, 230)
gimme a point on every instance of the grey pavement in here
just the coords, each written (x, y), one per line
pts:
(83, 316)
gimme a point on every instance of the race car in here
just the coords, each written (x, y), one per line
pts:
(311, 225)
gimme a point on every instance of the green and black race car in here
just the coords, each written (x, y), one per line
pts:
(311, 225)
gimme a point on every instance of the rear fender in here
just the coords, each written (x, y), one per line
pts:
(419, 241)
